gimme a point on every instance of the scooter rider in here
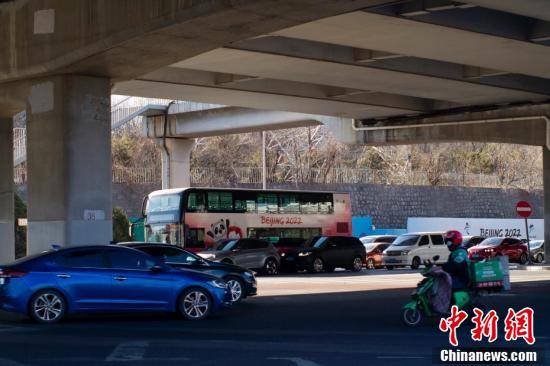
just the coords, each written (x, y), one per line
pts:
(458, 262)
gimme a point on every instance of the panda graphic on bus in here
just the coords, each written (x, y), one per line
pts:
(221, 230)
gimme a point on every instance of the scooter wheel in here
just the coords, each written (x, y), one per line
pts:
(411, 317)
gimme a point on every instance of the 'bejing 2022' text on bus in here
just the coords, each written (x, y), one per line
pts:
(198, 218)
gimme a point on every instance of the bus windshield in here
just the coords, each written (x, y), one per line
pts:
(165, 202)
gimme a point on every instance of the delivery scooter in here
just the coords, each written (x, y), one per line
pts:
(419, 306)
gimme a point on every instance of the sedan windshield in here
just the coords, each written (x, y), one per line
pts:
(316, 242)
(228, 245)
(535, 244)
(370, 247)
(405, 240)
(489, 242)
(368, 239)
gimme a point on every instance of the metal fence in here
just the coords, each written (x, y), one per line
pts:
(220, 177)
(19, 145)
(208, 176)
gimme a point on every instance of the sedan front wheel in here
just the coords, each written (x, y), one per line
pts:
(195, 304)
(237, 289)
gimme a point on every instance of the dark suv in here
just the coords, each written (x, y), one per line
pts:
(325, 253)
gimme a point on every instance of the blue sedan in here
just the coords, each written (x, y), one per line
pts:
(105, 278)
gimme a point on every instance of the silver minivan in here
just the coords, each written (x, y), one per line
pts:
(412, 249)
(248, 253)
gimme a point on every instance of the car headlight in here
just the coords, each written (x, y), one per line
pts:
(304, 254)
(218, 283)
(249, 276)
(405, 252)
(283, 254)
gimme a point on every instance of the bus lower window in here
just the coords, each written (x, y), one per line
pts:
(195, 238)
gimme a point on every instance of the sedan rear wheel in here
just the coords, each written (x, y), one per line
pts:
(48, 307)
(357, 264)
(271, 267)
(539, 258)
(523, 258)
(195, 304)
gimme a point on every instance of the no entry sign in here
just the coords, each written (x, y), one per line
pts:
(524, 209)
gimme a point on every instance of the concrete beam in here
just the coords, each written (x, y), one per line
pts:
(69, 162)
(7, 228)
(293, 101)
(515, 125)
(342, 54)
(222, 121)
(526, 132)
(538, 9)
(125, 39)
(232, 120)
(173, 75)
(420, 39)
(306, 70)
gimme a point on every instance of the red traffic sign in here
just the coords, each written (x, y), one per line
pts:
(524, 209)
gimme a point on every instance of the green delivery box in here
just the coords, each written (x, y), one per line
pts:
(487, 273)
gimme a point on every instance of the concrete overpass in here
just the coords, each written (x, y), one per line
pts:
(398, 69)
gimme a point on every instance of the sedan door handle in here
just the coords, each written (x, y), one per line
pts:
(119, 278)
(63, 275)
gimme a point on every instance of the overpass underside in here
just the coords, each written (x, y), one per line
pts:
(399, 72)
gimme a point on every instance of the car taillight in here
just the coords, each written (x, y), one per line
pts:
(9, 273)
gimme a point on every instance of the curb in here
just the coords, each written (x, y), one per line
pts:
(532, 268)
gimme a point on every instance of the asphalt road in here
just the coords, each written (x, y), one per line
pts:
(330, 319)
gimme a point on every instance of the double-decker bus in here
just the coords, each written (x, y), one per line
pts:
(199, 218)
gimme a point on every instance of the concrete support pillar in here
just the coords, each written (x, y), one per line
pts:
(546, 183)
(176, 164)
(7, 228)
(69, 162)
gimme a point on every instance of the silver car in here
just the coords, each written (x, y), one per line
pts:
(247, 253)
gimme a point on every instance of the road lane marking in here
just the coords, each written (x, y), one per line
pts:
(296, 360)
(128, 351)
(399, 357)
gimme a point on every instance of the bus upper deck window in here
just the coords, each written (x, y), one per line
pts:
(325, 204)
(244, 202)
(289, 204)
(267, 203)
(220, 201)
(195, 202)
